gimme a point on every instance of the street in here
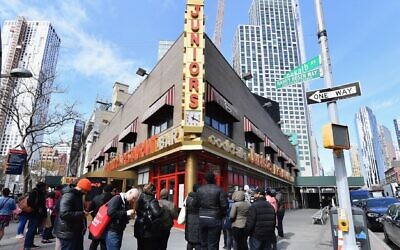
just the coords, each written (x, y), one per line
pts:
(382, 237)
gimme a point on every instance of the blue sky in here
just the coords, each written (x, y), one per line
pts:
(105, 41)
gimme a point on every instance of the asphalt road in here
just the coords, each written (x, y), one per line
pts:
(382, 237)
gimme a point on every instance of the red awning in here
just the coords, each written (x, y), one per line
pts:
(249, 127)
(212, 95)
(111, 146)
(270, 144)
(166, 99)
(129, 133)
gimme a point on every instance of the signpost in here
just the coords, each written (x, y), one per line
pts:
(335, 93)
(16, 160)
(307, 71)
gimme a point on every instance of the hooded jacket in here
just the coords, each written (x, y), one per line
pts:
(239, 210)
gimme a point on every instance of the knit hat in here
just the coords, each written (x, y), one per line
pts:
(84, 184)
(164, 193)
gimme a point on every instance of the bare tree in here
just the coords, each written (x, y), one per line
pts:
(37, 121)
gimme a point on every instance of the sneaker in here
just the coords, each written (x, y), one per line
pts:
(19, 236)
(46, 241)
(34, 246)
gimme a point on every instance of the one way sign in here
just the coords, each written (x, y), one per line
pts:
(335, 93)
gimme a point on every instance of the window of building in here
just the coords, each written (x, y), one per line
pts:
(160, 126)
(224, 127)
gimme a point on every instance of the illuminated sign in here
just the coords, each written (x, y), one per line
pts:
(259, 160)
(193, 61)
(149, 146)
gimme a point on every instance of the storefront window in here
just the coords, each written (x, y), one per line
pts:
(167, 169)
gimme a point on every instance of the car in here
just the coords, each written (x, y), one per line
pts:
(391, 224)
(375, 208)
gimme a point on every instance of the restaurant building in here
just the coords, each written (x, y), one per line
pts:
(192, 114)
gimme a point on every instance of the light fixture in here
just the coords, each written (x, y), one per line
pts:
(267, 104)
(141, 72)
(18, 73)
(247, 76)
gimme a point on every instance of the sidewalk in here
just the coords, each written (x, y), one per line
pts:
(300, 233)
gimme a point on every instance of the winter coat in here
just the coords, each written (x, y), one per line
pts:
(147, 210)
(192, 218)
(72, 219)
(273, 202)
(213, 201)
(37, 201)
(169, 214)
(261, 221)
(239, 210)
(98, 201)
(117, 208)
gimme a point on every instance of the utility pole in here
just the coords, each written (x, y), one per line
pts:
(338, 156)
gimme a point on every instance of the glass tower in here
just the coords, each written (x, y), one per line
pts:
(268, 47)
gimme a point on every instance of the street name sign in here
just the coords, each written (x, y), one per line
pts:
(305, 72)
(335, 93)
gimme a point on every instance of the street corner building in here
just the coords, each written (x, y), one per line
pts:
(191, 114)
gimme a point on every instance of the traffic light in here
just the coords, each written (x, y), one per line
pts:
(335, 136)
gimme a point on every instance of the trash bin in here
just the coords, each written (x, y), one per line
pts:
(360, 228)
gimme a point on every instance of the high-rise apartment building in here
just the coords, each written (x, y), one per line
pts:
(268, 47)
(387, 146)
(397, 130)
(163, 47)
(370, 148)
(32, 45)
(355, 162)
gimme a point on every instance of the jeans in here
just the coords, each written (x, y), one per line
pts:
(261, 244)
(280, 215)
(23, 217)
(239, 238)
(72, 244)
(113, 240)
(228, 238)
(210, 231)
(32, 229)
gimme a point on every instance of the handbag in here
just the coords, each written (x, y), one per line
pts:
(99, 222)
(23, 205)
(182, 214)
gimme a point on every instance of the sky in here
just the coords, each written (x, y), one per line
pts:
(106, 41)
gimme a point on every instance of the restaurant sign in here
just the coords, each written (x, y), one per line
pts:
(149, 146)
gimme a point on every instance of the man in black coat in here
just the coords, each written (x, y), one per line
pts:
(192, 234)
(37, 201)
(213, 206)
(260, 223)
(94, 207)
(72, 217)
(119, 210)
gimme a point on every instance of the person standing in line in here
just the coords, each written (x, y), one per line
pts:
(167, 219)
(147, 211)
(260, 223)
(22, 219)
(213, 207)
(192, 234)
(72, 217)
(7, 206)
(238, 217)
(227, 226)
(271, 198)
(37, 201)
(47, 232)
(280, 213)
(94, 207)
(120, 213)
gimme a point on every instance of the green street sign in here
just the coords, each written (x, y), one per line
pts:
(305, 72)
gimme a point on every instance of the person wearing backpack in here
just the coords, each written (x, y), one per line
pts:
(147, 211)
(7, 206)
(227, 226)
(120, 212)
(166, 219)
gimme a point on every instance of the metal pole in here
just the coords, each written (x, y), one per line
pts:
(338, 157)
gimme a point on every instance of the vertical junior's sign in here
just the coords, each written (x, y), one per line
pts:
(193, 67)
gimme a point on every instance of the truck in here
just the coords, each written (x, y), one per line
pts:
(391, 189)
(359, 194)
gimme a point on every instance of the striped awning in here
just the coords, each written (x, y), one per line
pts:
(249, 127)
(166, 99)
(111, 146)
(128, 135)
(212, 95)
(269, 144)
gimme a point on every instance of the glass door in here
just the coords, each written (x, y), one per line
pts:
(169, 183)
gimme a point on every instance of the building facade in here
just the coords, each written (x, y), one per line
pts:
(397, 130)
(355, 162)
(163, 47)
(370, 148)
(270, 46)
(31, 45)
(173, 130)
(387, 146)
(392, 175)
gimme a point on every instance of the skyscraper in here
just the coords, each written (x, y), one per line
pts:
(355, 162)
(268, 47)
(397, 130)
(370, 148)
(32, 45)
(387, 146)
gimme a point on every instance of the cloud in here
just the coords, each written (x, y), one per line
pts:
(389, 103)
(81, 51)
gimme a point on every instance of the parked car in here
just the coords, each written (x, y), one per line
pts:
(375, 208)
(391, 224)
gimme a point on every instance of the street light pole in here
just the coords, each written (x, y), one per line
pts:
(338, 157)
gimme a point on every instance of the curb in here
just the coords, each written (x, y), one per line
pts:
(374, 238)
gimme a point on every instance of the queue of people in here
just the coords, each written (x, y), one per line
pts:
(247, 223)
